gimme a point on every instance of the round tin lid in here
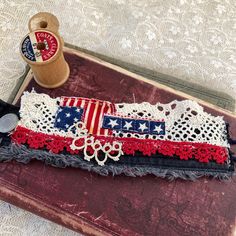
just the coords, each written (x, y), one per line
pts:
(39, 46)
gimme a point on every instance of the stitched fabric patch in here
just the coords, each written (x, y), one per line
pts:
(67, 116)
(94, 110)
(110, 122)
(133, 125)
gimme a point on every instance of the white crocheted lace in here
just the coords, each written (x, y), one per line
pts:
(184, 120)
(110, 150)
(38, 113)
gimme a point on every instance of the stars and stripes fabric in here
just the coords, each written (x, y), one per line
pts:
(100, 119)
(67, 116)
(93, 112)
(134, 125)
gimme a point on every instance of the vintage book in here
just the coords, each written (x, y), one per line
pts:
(98, 205)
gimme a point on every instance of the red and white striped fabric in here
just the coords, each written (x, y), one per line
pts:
(94, 110)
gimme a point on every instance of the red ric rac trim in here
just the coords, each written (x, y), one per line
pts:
(201, 152)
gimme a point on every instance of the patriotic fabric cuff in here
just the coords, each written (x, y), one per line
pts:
(104, 132)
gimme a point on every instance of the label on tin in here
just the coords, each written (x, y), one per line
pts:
(39, 46)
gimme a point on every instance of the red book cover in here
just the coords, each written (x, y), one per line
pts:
(98, 205)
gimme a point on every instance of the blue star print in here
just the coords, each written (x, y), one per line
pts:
(110, 122)
(67, 116)
(157, 127)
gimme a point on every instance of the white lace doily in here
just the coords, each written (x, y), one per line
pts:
(18, 222)
(191, 39)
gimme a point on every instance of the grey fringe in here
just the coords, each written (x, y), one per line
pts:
(24, 155)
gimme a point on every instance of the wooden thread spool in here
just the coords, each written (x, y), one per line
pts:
(44, 20)
(42, 49)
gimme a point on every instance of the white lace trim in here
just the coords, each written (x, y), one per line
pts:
(38, 113)
(184, 120)
(111, 150)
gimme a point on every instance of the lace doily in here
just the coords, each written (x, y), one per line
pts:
(13, 222)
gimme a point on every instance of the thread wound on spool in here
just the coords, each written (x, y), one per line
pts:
(42, 50)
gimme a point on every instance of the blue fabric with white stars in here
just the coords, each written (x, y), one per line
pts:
(67, 116)
(142, 126)
(157, 127)
(134, 125)
(110, 122)
(128, 124)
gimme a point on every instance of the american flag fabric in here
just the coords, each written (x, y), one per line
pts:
(133, 125)
(93, 112)
(67, 116)
(100, 119)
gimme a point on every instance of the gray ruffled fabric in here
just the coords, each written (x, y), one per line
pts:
(24, 155)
